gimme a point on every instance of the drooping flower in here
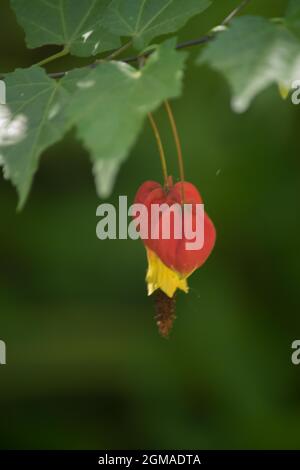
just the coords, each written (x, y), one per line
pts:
(170, 262)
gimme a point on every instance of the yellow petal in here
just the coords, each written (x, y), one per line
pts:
(159, 276)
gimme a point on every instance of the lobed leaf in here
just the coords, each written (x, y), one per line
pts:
(112, 102)
(253, 54)
(107, 105)
(32, 120)
(143, 20)
(79, 26)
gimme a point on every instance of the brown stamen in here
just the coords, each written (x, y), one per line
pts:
(165, 313)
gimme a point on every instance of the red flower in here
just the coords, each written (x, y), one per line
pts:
(170, 261)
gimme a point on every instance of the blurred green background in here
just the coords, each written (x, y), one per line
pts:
(86, 367)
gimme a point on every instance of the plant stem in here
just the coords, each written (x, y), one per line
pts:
(58, 55)
(231, 15)
(117, 52)
(178, 146)
(160, 149)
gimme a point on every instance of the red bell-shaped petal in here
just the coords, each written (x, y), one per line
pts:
(173, 251)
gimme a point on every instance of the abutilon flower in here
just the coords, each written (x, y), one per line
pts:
(170, 262)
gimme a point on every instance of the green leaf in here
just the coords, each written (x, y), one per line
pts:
(76, 25)
(107, 104)
(112, 102)
(32, 120)
(143, 20)
(253, 54)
